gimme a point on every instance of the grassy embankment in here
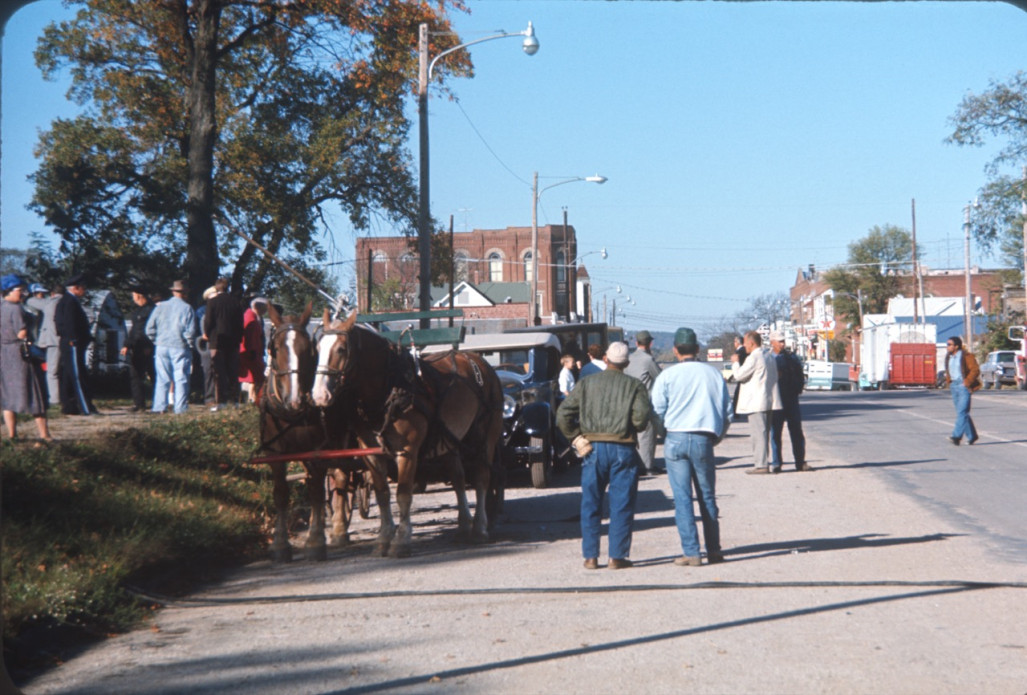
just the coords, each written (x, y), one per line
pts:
(161, 508)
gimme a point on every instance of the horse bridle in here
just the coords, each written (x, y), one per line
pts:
(275, 401)
(340, 374)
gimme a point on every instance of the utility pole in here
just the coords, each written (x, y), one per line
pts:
(1023, 214)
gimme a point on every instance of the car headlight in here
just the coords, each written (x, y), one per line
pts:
(509, 406)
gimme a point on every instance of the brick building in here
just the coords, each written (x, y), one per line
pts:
(481, 256)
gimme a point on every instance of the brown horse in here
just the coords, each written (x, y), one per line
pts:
(447, 407)
(290, 424)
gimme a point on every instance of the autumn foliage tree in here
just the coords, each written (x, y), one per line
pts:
(203, 118)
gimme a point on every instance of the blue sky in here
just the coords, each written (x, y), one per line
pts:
(742, 141)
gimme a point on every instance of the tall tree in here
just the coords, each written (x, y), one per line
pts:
(209, 116)
(1000, 112)
(764, 309)
(873, 272)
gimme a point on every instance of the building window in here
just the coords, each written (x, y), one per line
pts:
(561, 267)
(528, 266)
(495, 267)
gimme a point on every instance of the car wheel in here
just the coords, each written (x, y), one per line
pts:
(541, 463)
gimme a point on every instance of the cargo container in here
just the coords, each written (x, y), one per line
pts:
(913, 364)
(880, 333)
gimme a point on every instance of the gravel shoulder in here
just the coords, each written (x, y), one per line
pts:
(834, 583)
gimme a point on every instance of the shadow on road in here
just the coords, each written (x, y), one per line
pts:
(814, 545)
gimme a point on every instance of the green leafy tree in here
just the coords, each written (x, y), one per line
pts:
(205, 117)
(1000, 112)
(872, 272)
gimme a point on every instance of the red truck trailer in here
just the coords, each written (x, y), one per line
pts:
(913, 364)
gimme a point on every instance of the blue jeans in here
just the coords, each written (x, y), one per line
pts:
(793, 417)
(172, 365)
(616, 466)
(964, 423)
(689, 458)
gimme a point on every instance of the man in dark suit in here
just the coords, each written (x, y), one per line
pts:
(223, 328)
(74, 333)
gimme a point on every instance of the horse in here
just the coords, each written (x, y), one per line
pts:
(290, 424)
(446, 407)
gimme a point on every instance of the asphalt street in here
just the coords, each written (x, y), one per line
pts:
(895, 566)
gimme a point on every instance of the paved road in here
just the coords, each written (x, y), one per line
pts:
(858, 577)
(903, 436)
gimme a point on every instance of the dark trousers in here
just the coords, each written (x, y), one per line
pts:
(793, 417)
(75, 396)
(140, 366)
(226, 369)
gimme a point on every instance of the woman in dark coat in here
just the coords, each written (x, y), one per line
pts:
(21, 385)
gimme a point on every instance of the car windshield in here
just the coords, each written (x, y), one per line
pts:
(515, 361)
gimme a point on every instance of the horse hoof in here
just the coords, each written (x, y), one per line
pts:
(398, 551)
(317, 553)
(339, 542)
(380, 551)
(281, 555)
(480, 538)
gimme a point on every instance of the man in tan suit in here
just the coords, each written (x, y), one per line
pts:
(758, 397)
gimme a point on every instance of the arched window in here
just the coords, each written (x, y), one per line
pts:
(528, 266)
(495, 267)
(379, 257)
(561, 267)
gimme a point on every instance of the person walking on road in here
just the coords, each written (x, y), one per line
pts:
(73, 329)
(693, 401)
(758, 397)
(643, 367)
(962, 376)
(173, 330)
(789, 383)
(601, 418)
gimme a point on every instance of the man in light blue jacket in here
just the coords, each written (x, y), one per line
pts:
(693, 401)
(173, 329)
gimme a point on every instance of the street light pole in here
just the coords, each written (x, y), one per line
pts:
(536, 193)
(968, 309)
(530, 45)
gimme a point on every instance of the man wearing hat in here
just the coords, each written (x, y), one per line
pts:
(693, 401)
(789, 383)
(173, 330)
(601, 418)
(139, 349)
(643, 367)
(73, 331)
(45, 302)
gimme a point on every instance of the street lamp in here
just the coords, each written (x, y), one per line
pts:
(536, 193)
(530, 46)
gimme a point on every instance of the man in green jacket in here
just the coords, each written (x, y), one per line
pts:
(602, 417)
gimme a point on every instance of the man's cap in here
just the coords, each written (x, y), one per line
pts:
(9, 282)
(209, 292)
(644, 337)
(36, 288)
(617, 353)
(259, 300)
(778, 336)
(177, 286)
(685, 336)
(76, 280)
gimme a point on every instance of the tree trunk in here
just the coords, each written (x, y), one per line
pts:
(202, 262)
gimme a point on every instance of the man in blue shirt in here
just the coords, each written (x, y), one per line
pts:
(173, 329)
(693, 401)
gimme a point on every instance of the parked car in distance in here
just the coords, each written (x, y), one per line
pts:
(999, 368)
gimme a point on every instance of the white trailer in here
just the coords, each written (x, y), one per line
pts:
(879, 332)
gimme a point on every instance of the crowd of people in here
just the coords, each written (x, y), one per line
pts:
(619, 402)
(219, 346)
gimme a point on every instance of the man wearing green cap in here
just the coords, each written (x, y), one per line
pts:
(643, 367)
(693, 401)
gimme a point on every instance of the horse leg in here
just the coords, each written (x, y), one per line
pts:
(341, 509)
(281, 550)
(315, 546)
(406, 463)
(482, 477)
(379, 469)
(455, 466)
